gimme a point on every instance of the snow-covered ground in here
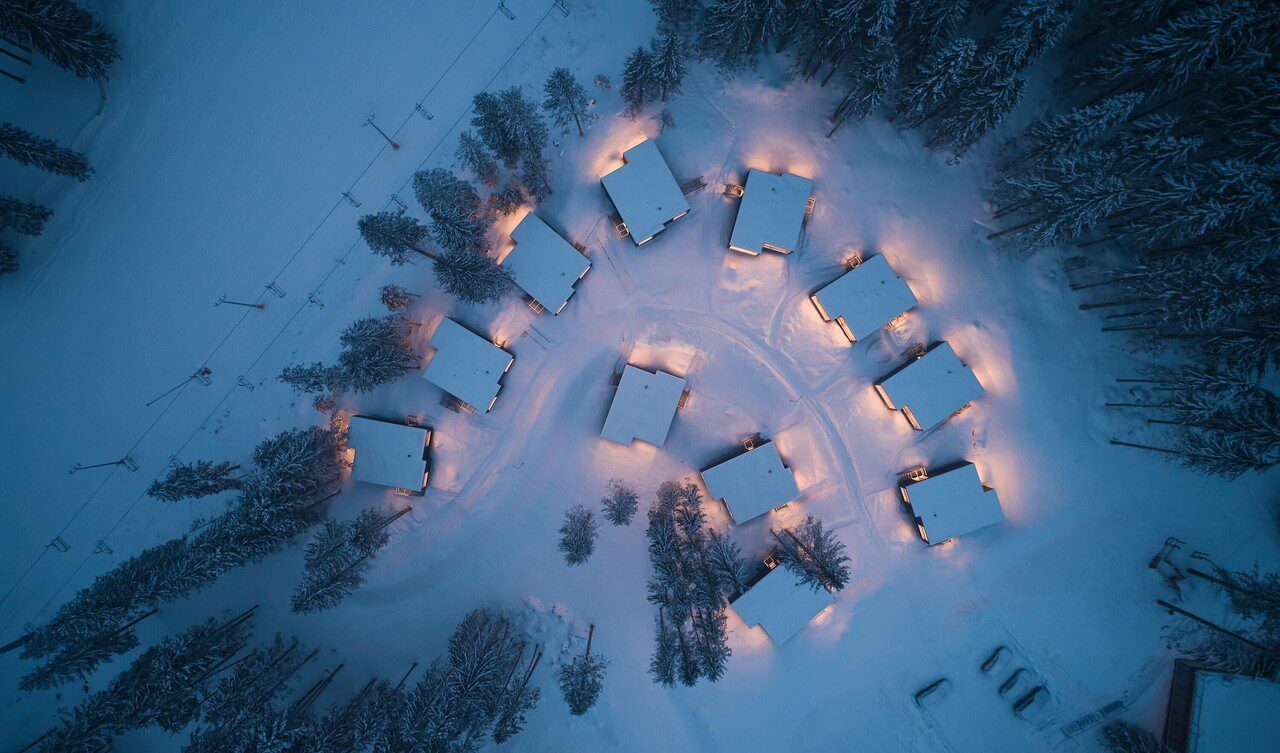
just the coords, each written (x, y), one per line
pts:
(229, 133)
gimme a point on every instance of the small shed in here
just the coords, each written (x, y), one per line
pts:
(930, 388)
(781, 604)
(544, 264)
(752, 483)
(643, 407)
(865, 298)
(645, 193)
(1210, 711)
(951, 502)
(466, 365)
(390, 453)
(771, 214)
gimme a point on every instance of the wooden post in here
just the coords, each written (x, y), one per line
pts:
(590, 633)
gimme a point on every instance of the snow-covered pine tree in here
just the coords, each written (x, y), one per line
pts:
(662, 665)
(63, 32)
(100, 641)
(357, 725)
(735, 32)
(1067, 133)
(395, 235)
(8, 260)
(315, 377)
(1123, 737)
(199, 478)
(473, 276)
(934, 83)
(534, 177)
(1252, 344)
(872, 75)
(473, 156)
(1211, 454)
(1167, 58)
(1061, 199)
(1254, 595)
(504, 202)
(23, 217)
(566, 101)
(247, 702)
(395, 297)
(813, 554)
(667, 66)
(929, 25)
(582, 679)
(680, 18)
(375, 351)
(637, 88)
(725, 560)
(30, 149)
(1194, 200)
(510, 125)
(981, 105)
(299, 463)
(620, 503)
(163, 686)
(1240, 118)
(339, 557)
(454, 208)
(1149, 146)
(578, 535)
(1026, 29)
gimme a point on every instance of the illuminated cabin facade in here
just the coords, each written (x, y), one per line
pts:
(864, 299)
(645, 193)
(752, 483)
(467, 366)
(931, 387)
(544, 264)
(772, 213)
(644, 406)
(389, 453)
(949, 502)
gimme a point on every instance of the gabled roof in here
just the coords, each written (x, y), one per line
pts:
(645, 192)
(952, 504)
(781, 605)
(866, 297)
(543, 263)
(934, 386)
(466, 365)
(388, 453)
(643, 407)
(771, 212)
(752, 483)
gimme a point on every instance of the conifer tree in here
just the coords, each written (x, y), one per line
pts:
(8, 260)
(1026, 29)
(506, 201)
(533, 176)
(63, 32)
(620, 504)
(1194, 200)
(394, 235)
(667, 66)
(813, 554)
(931, 24)
(338, 558)
(566, 101)
(678, 18)
(1068, 133)
(474, 157)
(471, 275)
(983, 104)
(30, 149)
(735, 32)
(1123, 737)
(395, 297)
(22, 217)
(200, 478)
(1150, 145)
(374, 352)
(100, 641)
(578, 535)
(509, 124)
(874, 72)
(934, 83)
(454, 208)
(637, 88)
(582, 679)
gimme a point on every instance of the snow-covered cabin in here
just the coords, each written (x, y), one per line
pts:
(771, 214)
(466, 365)
(643, 407)
(544, 264)
(1218, 712)
(781, 604)
(865, 298)
(390, 454)
(931, 388)
(752, 483)
(951, 502)
(645, 193)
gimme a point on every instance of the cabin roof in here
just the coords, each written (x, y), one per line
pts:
(388, 453)
(953, 503)
(934, 386)
(781, 605)
(645, 192)
(771, 212)
(752, 483)
(867, 297)
(466, 365)
(1234, 714)
(544, 264)
(643, 407)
